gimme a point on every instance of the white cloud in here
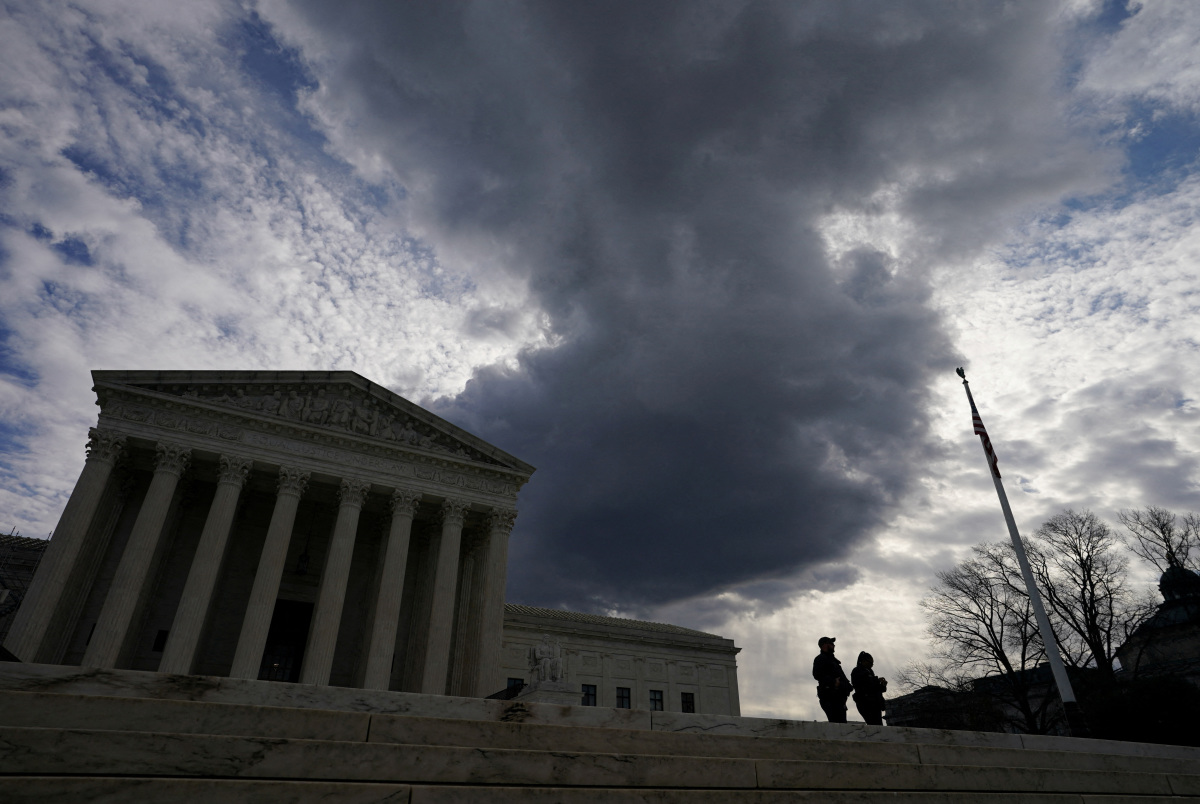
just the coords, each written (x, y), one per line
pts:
(214, 239)
(1155, 55)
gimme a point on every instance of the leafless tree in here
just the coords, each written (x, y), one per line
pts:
(1084, 581)
(986, 640)
(1160, 537)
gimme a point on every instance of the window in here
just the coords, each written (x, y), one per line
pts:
(688, 702)
(623, 699)
(160, 641)
(656, 701)
(589, 695)
(516, 682)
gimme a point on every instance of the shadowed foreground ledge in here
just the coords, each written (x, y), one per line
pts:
(73, 734)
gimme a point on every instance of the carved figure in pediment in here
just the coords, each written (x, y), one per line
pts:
(364, 417)
(342, 410)
(318, 408)
(272, 404)
(383, 425)
(242, 401)
(295, 406)
(406, 433)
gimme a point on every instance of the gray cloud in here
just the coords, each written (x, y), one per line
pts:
(723, 402)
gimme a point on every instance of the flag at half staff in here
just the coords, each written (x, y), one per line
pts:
(1074, 724)
(982, 432)
(987, 442)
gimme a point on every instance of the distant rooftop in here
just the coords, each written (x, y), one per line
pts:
(14, 542)
(596, 619)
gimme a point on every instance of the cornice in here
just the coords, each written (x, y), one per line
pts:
(662, 639)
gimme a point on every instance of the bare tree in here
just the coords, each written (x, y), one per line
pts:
(985, 637)
(1158, 536)
(1084, 580)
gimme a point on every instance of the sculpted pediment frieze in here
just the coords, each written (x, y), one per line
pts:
(336, 407)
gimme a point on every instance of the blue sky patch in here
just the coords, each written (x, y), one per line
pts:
(1166, 147)
(73, 251)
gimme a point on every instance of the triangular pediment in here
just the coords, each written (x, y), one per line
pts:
(341, 402)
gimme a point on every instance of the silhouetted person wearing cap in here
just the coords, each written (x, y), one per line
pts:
(833, 688)
(868, 690)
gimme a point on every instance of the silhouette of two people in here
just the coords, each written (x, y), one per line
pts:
(833, 688)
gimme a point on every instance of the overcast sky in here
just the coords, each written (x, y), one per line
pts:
(709, 266)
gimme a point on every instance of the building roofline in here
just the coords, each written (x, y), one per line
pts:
(521, 613)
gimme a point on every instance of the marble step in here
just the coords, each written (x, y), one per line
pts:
(115, 790)
(55, 710)
(56, 752)
(51, 710)
(126, 684)
(118, 790)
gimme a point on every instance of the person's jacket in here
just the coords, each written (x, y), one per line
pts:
(867, 689)
(827, 670)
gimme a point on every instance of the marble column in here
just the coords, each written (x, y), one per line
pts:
(382, 646)
(466, 622)
(441, 615)
(253, 639)
(179, 656)
(121, 606)
(87, 566)
(490, 630)
(327, 618)
(29, 638)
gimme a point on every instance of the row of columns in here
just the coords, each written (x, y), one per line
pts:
(30, 635)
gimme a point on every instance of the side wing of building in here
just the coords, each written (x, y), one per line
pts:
(628, 663)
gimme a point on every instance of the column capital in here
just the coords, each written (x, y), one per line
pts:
(105, 446)
(171, 458)
(353, 492)
(405, 501)
(501, 520)
(292, 481)
(234, 469)
(453, 511)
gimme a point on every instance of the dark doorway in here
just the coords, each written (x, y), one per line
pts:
(285, 641)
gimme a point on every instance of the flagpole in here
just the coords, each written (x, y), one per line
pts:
(1070, 707)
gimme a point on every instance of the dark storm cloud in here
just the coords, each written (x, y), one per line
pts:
(723, 403)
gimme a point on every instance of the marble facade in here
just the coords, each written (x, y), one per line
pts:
(303, 526)
(610, 654)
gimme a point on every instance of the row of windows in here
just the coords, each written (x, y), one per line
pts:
(687, 700)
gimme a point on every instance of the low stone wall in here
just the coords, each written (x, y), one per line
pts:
(63, 679)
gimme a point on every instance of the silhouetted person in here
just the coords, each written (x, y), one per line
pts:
(833, 688)
(868, 690)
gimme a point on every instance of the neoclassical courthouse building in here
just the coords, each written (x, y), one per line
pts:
(314, 527)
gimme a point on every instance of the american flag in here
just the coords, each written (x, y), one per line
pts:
(987, 442)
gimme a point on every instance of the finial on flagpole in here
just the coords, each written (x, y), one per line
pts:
(961, 373)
